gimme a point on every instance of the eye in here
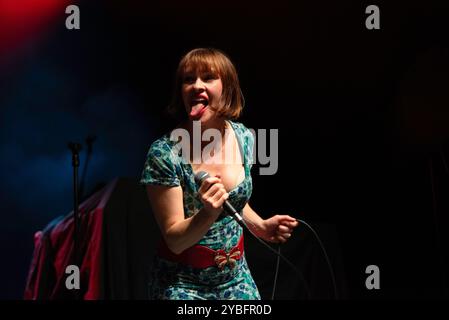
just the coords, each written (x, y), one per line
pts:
(188, 79)
(209, 77)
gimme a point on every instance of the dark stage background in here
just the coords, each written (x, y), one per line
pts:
(363, 118)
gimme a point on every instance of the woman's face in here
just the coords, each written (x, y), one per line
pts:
(199, 91)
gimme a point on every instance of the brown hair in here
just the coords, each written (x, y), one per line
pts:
(217, 62)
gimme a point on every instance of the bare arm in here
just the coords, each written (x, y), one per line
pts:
(167, 204)
(276, 229)
(253, 220)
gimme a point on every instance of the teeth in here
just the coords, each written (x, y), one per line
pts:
(200, 101)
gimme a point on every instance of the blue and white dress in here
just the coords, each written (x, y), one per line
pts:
(171, 280)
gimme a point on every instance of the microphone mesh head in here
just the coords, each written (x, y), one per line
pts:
(200, 177)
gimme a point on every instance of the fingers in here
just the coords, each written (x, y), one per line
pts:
(207, 184)
(219, 198)
(284, 229)
(280, 228)
(294, 224)
(283, 235)
(286, 217)
(213, 192)
(287, 221)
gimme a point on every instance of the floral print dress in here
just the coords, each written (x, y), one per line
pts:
(171, 280)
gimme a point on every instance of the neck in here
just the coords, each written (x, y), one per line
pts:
(217, 123)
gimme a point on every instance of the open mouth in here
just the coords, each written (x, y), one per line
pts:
(202, 101)
(198, 106)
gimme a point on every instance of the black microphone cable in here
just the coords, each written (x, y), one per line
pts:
(297, 270)
(331, 270)
(200, 176)
(279, 255)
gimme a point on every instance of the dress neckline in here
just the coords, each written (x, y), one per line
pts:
(242, 155)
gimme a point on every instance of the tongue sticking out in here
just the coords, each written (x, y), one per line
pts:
(197, 110)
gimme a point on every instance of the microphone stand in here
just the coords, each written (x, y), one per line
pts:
(89, 142)
(75, 148)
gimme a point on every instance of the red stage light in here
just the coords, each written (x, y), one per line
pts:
(24, 20)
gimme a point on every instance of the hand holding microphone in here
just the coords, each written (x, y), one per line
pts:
(212, 191)
(214, 196)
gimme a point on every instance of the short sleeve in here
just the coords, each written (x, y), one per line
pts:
(250, 147)
(247, 139)
(160, 167)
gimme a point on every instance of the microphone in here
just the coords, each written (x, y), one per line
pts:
(227, 207)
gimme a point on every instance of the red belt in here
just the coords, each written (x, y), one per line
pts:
(203, 257)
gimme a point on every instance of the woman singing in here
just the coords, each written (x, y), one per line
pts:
(201, 254)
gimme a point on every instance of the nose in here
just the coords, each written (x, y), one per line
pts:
(198, 84)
